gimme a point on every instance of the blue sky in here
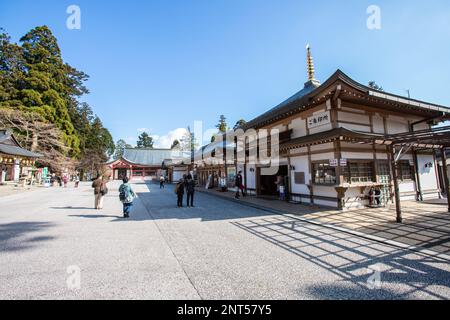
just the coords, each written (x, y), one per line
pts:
(163, 64)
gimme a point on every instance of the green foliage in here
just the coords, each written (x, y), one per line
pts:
(239, 124)
(121, 145)
(145, 141)
(34, 78)
(222, 125)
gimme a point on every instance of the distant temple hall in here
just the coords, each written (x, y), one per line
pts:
(150, 164)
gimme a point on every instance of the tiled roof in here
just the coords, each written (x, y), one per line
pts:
(9, 146)
(154, 157)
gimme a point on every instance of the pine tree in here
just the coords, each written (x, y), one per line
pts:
(145, 141)
(222, 125)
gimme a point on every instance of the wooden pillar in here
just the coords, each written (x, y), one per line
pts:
(394, 170)
(445, 174)
(419, 195)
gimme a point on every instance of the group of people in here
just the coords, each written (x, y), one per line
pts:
(185, 185)
(375, 197)
(63, 180)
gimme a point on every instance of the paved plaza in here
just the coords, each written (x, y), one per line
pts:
(426, 225)
(218, 250)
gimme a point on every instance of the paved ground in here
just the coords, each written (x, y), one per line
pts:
(219, 249)
(426, 225)
(10, 189)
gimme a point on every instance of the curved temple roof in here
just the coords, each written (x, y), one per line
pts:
(10, 146)
(312, 88)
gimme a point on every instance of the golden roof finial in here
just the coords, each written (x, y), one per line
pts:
(310, 63)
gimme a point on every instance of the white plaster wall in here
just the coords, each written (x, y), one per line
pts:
(358, 118)
(323, 128)
(325, 191)
(397, 125)
(407, 186)
(251, 177)
(382, 156)
(298, 127)
(378, 124)
(358, 155)
(322, 156)
(301, 165)
(428, 180)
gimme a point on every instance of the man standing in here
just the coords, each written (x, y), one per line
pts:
(239, 185)
(179, 191)
(162, 180)
(190, 190)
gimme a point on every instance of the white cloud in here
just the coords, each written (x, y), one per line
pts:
(140, 130)
(165, 141)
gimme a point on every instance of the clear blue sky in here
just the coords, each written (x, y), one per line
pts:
(163, 64)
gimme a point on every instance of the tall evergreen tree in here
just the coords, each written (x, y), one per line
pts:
(145, 141)
(37, 85)
(121, 145)
(222, 125)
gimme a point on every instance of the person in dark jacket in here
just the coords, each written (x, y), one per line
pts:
(179, 191)
(190, 190)
(239, 185)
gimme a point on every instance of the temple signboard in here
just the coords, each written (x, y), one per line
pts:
(319, 119)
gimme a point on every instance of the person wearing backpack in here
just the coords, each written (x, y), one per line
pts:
(126, 196)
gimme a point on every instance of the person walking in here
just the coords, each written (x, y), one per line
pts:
(239, 185)
(179, 191)
(126, 196)
(162, 181)
(77, 181)
(190, 190)
(100, 190)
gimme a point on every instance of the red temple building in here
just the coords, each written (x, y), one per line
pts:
(150, 164)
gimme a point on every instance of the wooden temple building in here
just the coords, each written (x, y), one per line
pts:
(15, 161)
(150, 164)
(340, 138)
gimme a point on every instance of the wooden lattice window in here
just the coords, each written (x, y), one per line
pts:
(323, 173)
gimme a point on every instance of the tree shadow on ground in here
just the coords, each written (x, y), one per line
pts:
(71, 208)
(93, 216)
(17, 236)
(353, 260)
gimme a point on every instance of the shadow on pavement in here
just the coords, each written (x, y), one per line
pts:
(71, 208)
(17, 236)
(92, 216)
(353, 260)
